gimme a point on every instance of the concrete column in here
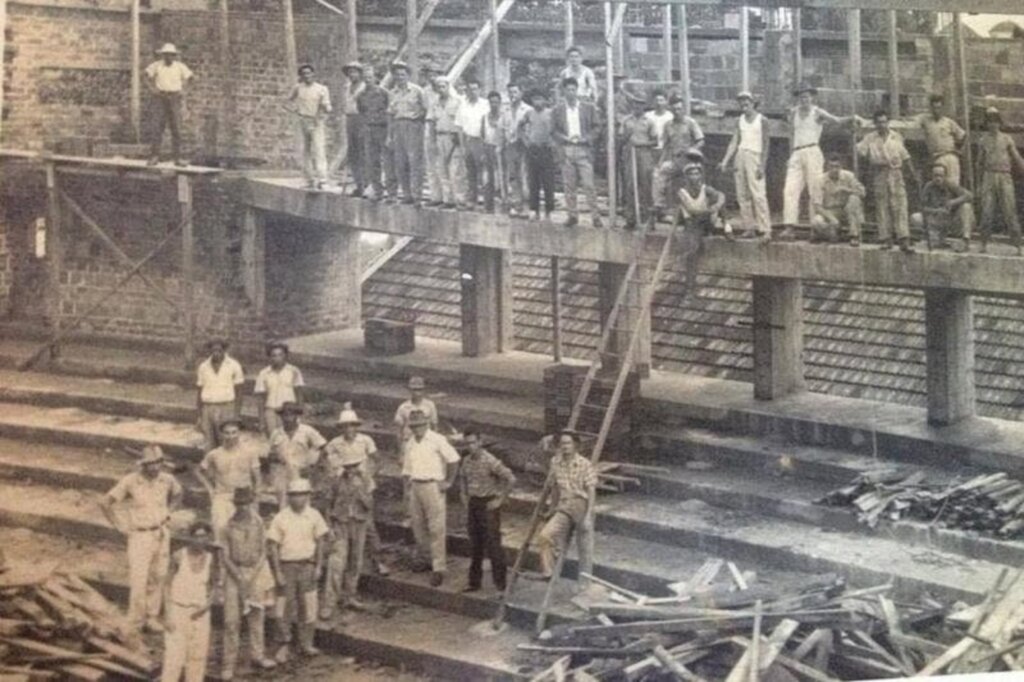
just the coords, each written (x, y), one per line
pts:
(486, 276)
(778, 337)
(254, 276)
(610, 279)
(949, 340)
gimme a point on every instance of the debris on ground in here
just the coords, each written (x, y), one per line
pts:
(54, 625)
(722, 624)
(990, 503)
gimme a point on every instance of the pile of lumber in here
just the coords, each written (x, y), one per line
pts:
(722, 624)
(54, 625)
(991, 503)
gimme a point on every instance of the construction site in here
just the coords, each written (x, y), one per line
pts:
(777, 455)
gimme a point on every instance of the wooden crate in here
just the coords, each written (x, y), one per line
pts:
(388, 337)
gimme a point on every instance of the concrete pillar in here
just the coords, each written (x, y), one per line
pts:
(949, 341)
(254, 277)
(778, 337)
(486, 276)
(610, 278)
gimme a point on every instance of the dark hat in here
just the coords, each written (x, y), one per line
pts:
(290, 408)
(418, 418)
(397, 64)
(217, 341)
(803, 87)
(244, 496)
(272, 345)
(303, 67)
(200, 533)
(352, 66)
(228, 422)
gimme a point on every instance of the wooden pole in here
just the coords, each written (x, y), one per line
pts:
(556, 307)
(188, 266)
(894, 67)
(666, 39)
(570, 25)
(135, 96)
(684, 59)
(351, 30)
(412, 40)
(609, 93)
(227, 103)
(291, 53)
(495, 47)
(620, 49)
(3, 48)
(853, 45)
(798, 45)
(744, 49)
(964, 98)
(54, 250)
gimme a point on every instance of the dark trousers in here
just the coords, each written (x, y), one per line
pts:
(354, 135)
(540, 174)
(476, 162)
(374, 139)
(484, 526)
(168, 115)
(407, 140)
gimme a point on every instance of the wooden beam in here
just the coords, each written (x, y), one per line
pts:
(135, 96)
(118, 165)
(495, 47)
(227, 118)
(54, 248)
(892, 43)
(853, 47)
(609, 90)
(352, 29)
(412, 40)
(570, 26)
(963, 98)
(421, 23)
(291, 52)
(684, 59)
(188, 267)
(798, 45)
(466, 58)
(556, 308)
(744, 48)
(666, 40)
(254, 248)
(976, 6)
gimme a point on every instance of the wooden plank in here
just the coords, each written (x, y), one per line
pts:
(630, 594)
(291, 52)
(892, 45)
(737, 577)
(135, 95)
(466, 58)
(609, 90)
(188, 266)
(963, 98)
(124, 655)
(254, 275)
(666, 42)
(798, 45)
(684, 59)
(421, 23)
(111, 163)
(976, 6)
(352, 27)
(796, 666)
(892, 620)
(674, 667)
(412, 40)
(570, 26)
(54, 248)
(744, 48)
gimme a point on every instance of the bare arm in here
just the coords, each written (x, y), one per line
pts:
(1015, 156)
(730, 151)
(107, 507)
(765, 150)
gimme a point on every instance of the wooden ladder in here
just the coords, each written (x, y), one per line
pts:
(651, 257)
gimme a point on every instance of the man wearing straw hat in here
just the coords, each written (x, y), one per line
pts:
(354, 125)
(428, 469)
(249, 584)
(150, 494)
(350, 510)
(167, 78)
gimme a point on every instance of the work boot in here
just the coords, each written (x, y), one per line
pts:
(356, 192)
(436, 578)
(307, 635)
(547, 215)
(905, 246)
(854, 241)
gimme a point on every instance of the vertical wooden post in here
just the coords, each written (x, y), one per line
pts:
(54, 250)
(609, 90)
(556, 308)
(351, 30)
(291, 52)
(3, 49)
(744, 49)
(254, 246)
(570, 25)
(666, 39)
(894, 66)
(620, 48)
(187, 267)
(412, 38)
(684, 58)
(495, 47)
(798, 45)
(225, 124)
(853, 46)
(135, 96)
(963, 98)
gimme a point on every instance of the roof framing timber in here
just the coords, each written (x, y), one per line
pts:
(976, 6)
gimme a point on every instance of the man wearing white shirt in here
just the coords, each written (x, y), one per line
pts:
(428, 469)
(586, 81)
(661, 116)
(278, 383)
(515, 152)
(167, 78)
(218, 398)
(471, 137)
(311, 102)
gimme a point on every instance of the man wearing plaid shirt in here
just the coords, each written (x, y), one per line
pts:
(572, 499)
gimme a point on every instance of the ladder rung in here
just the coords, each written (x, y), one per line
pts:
(593, 406)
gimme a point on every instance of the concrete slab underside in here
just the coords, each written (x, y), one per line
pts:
(685, 396)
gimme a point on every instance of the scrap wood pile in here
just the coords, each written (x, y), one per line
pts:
(992, 503)
(735, 629)
(54, 625)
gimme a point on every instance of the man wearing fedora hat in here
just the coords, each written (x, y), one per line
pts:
(297, 539)
(167, 78)
(295, 448)
(225, 468)
(997, 158)
(354, 125)
(485, 484)
(150, 495)
(417, 402)
(350, 511)
(218, 396)
(806, 165)
(249, 584)
(428, 469)
(278, 383)
(311, 103)
(408, 110)
(188, 590)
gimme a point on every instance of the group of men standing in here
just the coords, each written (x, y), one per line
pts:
(305, 561)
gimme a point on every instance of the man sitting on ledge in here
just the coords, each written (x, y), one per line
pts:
(943, 204)
(842, 203)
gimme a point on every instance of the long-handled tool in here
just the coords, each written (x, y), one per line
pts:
(636, 184)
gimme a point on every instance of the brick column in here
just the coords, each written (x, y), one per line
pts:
(778, 337)
(949, 341)
(486, 278)
(610, 277)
